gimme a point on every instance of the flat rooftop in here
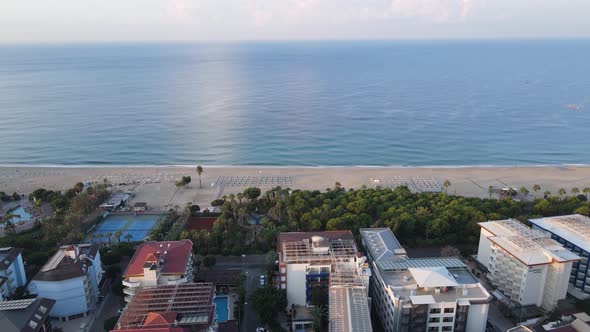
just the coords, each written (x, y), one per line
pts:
(349, 310)
(382, 244)
(575, 228)
(529, 246)
(298, 247)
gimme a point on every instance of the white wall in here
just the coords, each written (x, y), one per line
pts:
(477, 317)
(69, 295)
(484, 249)
(296, 284)
(534, 283)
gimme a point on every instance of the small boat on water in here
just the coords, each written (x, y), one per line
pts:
(574, 107)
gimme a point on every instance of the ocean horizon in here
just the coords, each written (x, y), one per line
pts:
(490, 103)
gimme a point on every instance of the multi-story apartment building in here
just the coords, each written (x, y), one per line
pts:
(318, 259)
(26, 315)
(159, 263)
(12, 271)
(422, 294)
(526, 265)
(573, 233)
(170, 308)
(71, 277)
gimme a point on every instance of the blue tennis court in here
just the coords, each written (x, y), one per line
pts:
(138, 226)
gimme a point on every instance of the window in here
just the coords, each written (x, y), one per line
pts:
(434, 320)
(449, 310)
(435, 311)
(433, 329)
(43, 309)
(447, 328)
(447, 319)
(32, 324)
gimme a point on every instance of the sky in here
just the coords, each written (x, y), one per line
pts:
(207, 20)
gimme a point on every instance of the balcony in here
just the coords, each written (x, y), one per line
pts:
(129, 291)
(131, 284)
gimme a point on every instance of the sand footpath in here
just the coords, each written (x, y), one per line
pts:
(155, 185)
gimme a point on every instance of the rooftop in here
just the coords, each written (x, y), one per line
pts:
(420, 280)
(382, 244)
(349, 310)
(70, 261)
(173, 257)
(331, 246)
(8, 255)
(529, 246)
(159, 307)
(575, 228)
(26, 315)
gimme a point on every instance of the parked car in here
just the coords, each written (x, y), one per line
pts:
(262, 280)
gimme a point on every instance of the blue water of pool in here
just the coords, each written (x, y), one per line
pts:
(221, 308)
(20, 215)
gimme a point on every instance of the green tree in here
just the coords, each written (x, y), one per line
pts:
(586, 191)
(108, 236)
(128, 237)
(319, 315)
(536, 188)
(209, 261)
(8, 224)
(252, 193)
(490, 191)
(118, 234)
(446, 184)
(99, 236)
(575, 190)
(199, 172)
(562, 192)
(524, 191)
(268, 302)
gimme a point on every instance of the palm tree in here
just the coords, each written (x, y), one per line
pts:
(446, 184)
(91, 237)
(99, 237)
(586, 191)
(318, 314)
(128, 237)
(524, 191)
(118, 234)
(575, 190)
(547, 194)
(490, 191)
(199, 172)
(108, 235)
(536, 188)
(562, 192)
(8, 224)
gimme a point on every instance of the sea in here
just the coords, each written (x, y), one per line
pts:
(316, 103)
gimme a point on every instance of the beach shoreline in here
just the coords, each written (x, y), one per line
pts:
(155, 184)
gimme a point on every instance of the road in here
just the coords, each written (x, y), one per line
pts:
(109, 308)
(253, 266)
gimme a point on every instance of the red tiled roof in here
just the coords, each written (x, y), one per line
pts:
(155, 319)
(151, 258)
(175, 259)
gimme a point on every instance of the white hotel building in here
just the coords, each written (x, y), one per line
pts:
(573, 233)
(422, 294)
(526, 265)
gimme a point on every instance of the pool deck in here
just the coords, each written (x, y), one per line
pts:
(230, 305)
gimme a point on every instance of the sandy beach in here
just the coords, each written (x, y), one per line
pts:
(155, 185)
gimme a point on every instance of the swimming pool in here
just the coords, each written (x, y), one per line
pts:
(221, 308)
(20, 215)
(138, 226)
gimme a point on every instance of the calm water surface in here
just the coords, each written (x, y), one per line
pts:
(296, 103)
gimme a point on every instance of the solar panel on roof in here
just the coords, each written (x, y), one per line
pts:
(16, 304)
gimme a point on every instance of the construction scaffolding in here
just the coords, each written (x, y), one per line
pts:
(318, 251)
(193, 300)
